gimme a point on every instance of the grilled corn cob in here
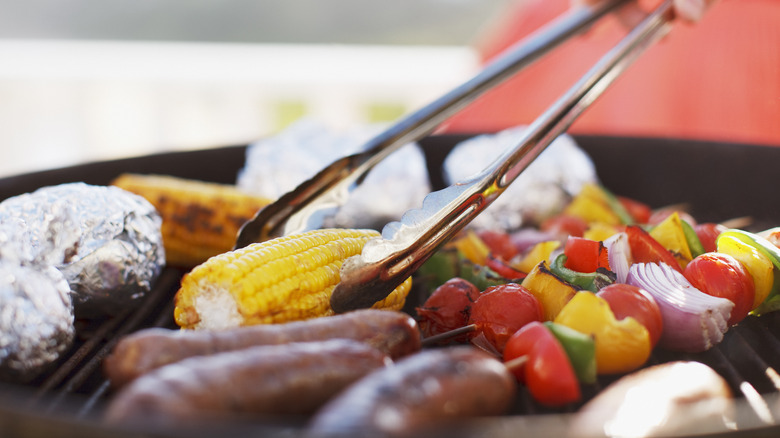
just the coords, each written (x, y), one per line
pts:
(284, 279)
(200, 219)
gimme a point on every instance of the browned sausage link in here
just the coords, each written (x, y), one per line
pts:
(418, 392)
(293, 379)
(393, 332)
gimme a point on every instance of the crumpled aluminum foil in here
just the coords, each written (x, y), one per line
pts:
(540, 191)
(105, 241)
(278, 164)
(36, 319)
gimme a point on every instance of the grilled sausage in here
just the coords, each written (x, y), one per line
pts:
(417, 393)
(291, 379)
(392, 332)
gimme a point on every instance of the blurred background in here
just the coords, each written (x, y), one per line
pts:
(85, 80)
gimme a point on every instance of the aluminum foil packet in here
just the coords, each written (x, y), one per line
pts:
(540, 191)
(105, 241)
(36, 321)
(278, 164)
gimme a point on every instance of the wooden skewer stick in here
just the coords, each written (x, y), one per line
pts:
(435, 339)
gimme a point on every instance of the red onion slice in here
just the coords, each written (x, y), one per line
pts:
(693, 321)
(619, 254)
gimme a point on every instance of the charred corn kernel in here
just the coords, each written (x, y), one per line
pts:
(284, 279)
(200, 219)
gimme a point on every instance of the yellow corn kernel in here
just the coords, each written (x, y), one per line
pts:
(284, 279)
(199, 219)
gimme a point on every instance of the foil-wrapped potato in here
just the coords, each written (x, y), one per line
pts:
(540, 191)
(36, 321)
(278, 164)
(105, 241)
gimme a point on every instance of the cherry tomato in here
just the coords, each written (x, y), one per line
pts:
(721, 275)
(626, 300)
(564, 225)
(499, 242)
(585, 255)
(708, 233)
(645, 249)
(502, 310)
(448, 308)
(547, 372)
(639, 211)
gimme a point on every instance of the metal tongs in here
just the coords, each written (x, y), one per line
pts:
(405, 245)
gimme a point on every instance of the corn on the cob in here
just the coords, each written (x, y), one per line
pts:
(200, 219)
(284, 279)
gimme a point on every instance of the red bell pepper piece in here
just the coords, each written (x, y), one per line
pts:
(585, 255)
(645, 249)
(547, 373)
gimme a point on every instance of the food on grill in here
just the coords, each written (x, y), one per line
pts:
(671, 399)
(394, 333)
(105, 240)
(199, 219)
(693, 321)
(502, 310)
(284, 279)
(758, 265)
(626, 300)
(769, 249)
(277, 164)
(290, 379)
(552, 291)
(423, 391)
(545, 368)
(448, 308)
(721, 275)
(36, 321)
(621, 345)
(540, 191)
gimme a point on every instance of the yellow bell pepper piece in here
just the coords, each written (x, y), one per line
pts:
(591, 205)
(671, 235)
(621, 346)
(473, 248)
(538, 253)
(551, 292)
(599, 231)
(758, 265)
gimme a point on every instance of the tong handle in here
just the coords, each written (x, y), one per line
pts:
(296, 211)
(406, 245)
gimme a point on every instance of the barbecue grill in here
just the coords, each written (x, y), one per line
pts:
(718, 181)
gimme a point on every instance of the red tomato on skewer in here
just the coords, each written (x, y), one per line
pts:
(448, 308)
(723, 276)
(501, 310)
(708, 233)
(626, 300)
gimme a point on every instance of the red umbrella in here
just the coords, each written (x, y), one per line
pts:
(716, 80)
